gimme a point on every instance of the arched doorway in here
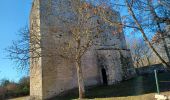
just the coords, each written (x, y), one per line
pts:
(104, 77)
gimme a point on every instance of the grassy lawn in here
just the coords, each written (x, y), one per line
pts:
(139, 88)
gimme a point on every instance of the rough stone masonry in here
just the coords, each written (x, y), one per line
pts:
(106, 64)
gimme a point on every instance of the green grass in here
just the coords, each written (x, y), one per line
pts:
(132, 89)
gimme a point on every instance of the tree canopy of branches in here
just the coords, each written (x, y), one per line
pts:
(19, 50)
(142, 17)
(141, 54)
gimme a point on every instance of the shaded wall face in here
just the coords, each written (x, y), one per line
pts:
(110, 61)
(117, 63)
(128, 70)
(91, 70)
(58, 74)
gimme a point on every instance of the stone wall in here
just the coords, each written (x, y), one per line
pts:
(35, 63)
(150, 69)
(58, 74)
(52, 74)
(110, 61)
(128, 70)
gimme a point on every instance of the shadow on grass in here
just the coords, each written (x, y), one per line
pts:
(133, 87)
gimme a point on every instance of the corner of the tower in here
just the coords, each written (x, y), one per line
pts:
(35, 53)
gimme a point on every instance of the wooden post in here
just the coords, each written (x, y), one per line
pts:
(157, 83)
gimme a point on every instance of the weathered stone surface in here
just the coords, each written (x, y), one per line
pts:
(110, 61)
(35, 65)
(51, 75)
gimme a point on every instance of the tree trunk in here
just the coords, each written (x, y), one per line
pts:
(80, 80)
(145, 37)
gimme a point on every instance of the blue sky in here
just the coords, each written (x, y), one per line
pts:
(14, 14)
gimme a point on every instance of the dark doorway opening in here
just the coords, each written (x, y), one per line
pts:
(104, 76)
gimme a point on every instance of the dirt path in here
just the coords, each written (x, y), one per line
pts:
(20, 98)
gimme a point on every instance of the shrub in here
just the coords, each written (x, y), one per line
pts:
(10, 89)
(2, 93)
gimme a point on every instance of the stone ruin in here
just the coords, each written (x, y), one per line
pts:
(106, 64)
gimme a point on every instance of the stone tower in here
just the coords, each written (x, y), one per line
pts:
(50, 75)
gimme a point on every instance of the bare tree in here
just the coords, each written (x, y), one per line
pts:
(141, 53)
(131, 12)
(19, 50)
(159, 21)
(140, 17)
